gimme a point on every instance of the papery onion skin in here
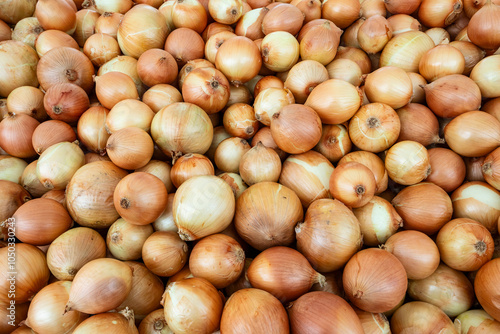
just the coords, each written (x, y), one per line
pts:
(447, 168)
(486, 288)
(353, 184)
(319, 311)
(18, 66)
(407, 162)
(476, 322)
(374, 280)
(109, 322)
(13, 196)
(405, 50)
(408, 319)
(486, 75)
(266, 214)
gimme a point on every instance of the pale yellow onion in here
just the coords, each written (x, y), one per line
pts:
(335, 101)
(478, 201)
(439, 35)
(280, 51)
(260, 164)
(58, 163)
(373, 162)
(142, 28)
(357, 55)
(407, 162)
(174, 126)
(270, 101)
(229, 153)
(91, 129)
(250, 24)
(395, 89)
(378, 221)
(197, 197)
(127, 113)
(345, 69)
(307, 174)
(476, 322)
(12, 168)
(126, 65)
(30, 181)
(46, 310)
(166, 10)
(214, 42)
(27, 30)
(409, 318)
(239, 120)
(86, 20)
(165, 223)
(160, 96)
(103, 6)
(189, 14)
(164, 253)
(486, 74)
(29, 100)
(226, 12)
(17, 66)
(405, 50)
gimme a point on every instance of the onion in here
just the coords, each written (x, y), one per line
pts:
(439, 14)
(407, 162)
(125, 240)
(353, 184)
(374, 280)
(448, 289)
(229, 152)
(185, 44)
(452, 95)
(161, 170)
(319, 41)
(99, 286)
(130, 148)
(486, 75)
(250, 24)
(400, 23)
(156, 66)
(260, 164)
(486, 292)
(335, 101)
(447, 168)
(214, 42)
(374, 33)
(409, 318)
(27, 100)
(28, 282)
(489, 167)
(280, 266)
(341, 13)
(174, 126)
(197, 197)
(101, 48)
(114, 87)
(334, 143)
(474, 168)
(160, 96)
(18, 66)
(345, 69)
(296, 128)
(239, 59)
(478, 201)
(372, 7)
(473, 134)
(51, 39)
(378, 221)
(439, 36)
(373, 322)
(113, 323)
(206, 87)
(396, 7)
(192, 305)
(253, 310)
(266, 214)
(424, 207)
(12, 13)
(65, 102)
(59, 15)
(86, 21)
(72, 250)
(11, 198)
(51, 132)
(239, 121)
(374, 127)
(126, 65)
(395, 90)
(154, 323)
(418, 83)
(217, 258)
(320, 229)
(12, 168)
(476, 321)
(320, 311)
(188, 166)
(405, 50)
(280, 51)
(189, 14)
(416, 251)
(46, 310)
(418, 123)
(164, 253)
(21, 311)
(90, 203)
(108, 23)
(472, 54)
(374, 163)
(142, 28)
(145, 295)
(27, 30)
(441, 61)
(270, 101)
(482, 29)
(261, 83)
(16, 133)
(65, 65)
(91, 129)
(214, 28)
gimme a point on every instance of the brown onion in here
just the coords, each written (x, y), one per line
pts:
(51, 39)
(260, 164)
(12, 197)
(185, 44)
(206, 87)
(409, 318)
(51, 132)
(110, 322)
(400, 23)
(266, 214)
(482, 29)
(101, 48)
(278, 266)
(439, 14)
(405, 50)
(59, 15)
(334, 143)
(28, 100)
(341, 13)
(156, 66)
(353, 184)
(407, 162)
(447, 168)
(486, 291)
(270, 101)
(320, 229)
(65, 102)
(130, 148)
(16, 133)
(416, 251)
(189, 165)
(164, 253)
(125, 240)
(374, 163)
(91, 129)
(419, 124)
(239, 59)
(108, 23)
(160, 96)
(424, 207)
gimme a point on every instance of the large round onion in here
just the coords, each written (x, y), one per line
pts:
(18, 64)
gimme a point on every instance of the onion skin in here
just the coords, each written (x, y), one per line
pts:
(374, 280)
(13, 196)
(447, 168)
(407, 162)
(266, 214)
(323, 312)
(164, 253)
(476, 322)
(17, 56)
(254, 311)
(110, 322)
(155, 323)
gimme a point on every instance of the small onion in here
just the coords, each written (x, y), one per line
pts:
(28, 100)
(409, 318)
(341, 13)
(439, 14)
(283, 17)
(447, 168)
(86, 20)
(108, 23)
(417, 252)
(407, 162)
(125, 240)
(374, 163)
(280, 51)
(475, 322)
(374, 34)
(126, 65)
(51, 132)
(16, 133)
(334, 143)
(155, 323)
(239, 121)
(130, 148)
(164, 253)
(160, 96)
(161, 170)
(229, 152)
(189, 14)
(238, 59)
(260, 164)
(400, 23)
(113, 87)
(374, 280)
(156, 66)
(319, 40)
(72, 250)
(59, 15)
(51, 39)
